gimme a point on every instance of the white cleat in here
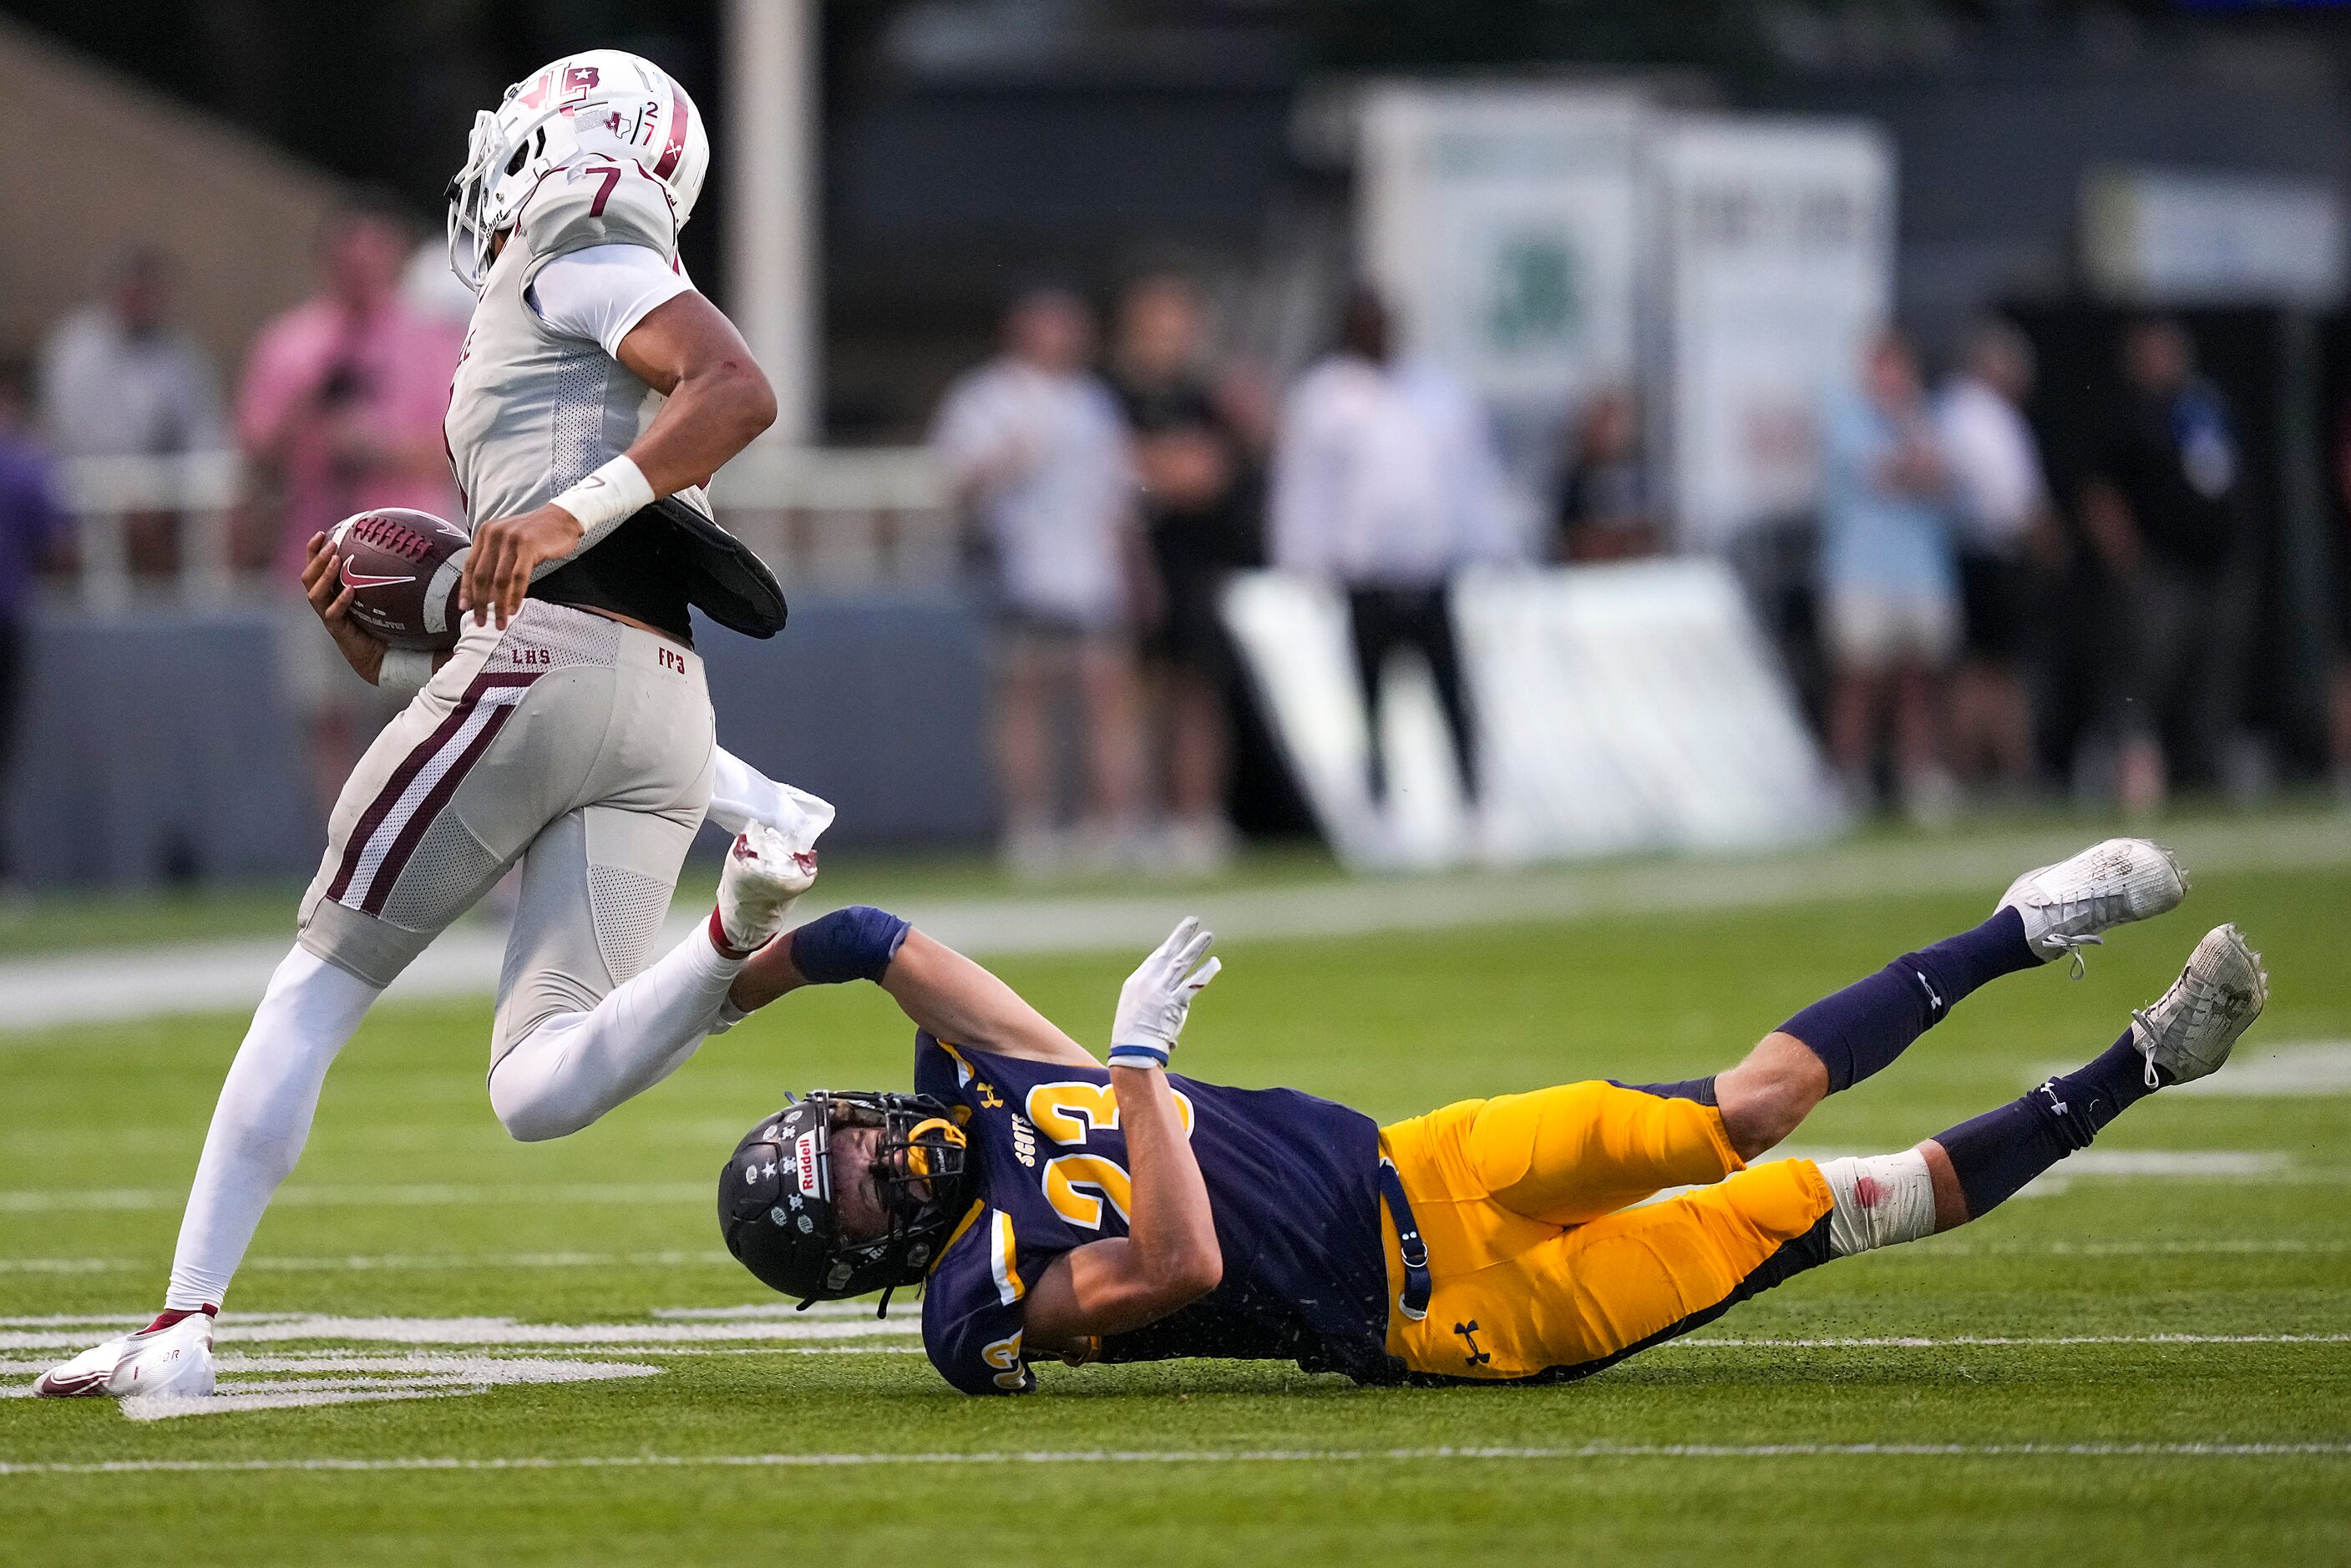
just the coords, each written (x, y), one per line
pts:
(177, 1361)
(764, 874)
(2190, 1031)
(2067, 907)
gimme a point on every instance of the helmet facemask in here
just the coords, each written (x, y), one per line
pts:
(779, 1196)
(918, 1161)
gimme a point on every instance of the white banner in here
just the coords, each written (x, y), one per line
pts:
(1778, 242)
(2173, 236)
(1504, 224)
(1617, 709)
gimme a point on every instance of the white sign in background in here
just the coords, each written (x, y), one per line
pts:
(1504, 224)
(1617, 709)
(1778, 242)
(2176, 237)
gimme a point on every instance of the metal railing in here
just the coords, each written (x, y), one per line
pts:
(872, 519)
(844, 519)
(196, 493)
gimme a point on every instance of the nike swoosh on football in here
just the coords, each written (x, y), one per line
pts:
(362, 580)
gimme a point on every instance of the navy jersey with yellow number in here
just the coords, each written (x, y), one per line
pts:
(1292, 1180)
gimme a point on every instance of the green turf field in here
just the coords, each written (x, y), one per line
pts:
(2150, 1362)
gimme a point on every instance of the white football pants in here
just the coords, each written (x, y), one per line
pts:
(578, 1024)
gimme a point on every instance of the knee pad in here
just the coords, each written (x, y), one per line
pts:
(1880, 1199)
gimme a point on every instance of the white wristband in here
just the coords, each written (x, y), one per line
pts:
(607, 498)
(1138, 1056)
(405, 670)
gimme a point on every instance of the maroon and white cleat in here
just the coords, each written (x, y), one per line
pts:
(171, 1355)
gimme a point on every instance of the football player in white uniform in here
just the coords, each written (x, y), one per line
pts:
(569, 729)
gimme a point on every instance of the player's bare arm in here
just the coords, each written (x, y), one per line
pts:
(1170, 1257)
(717, 401)
(936, 987)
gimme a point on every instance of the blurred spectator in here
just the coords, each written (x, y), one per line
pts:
(2004, 525)
(119, 379)
(2162, 511)
(1038, 453)
(1604, 511)
(1386, 481)
(1193, 453)
(341, 404)
(1887, 582)
(28, 525)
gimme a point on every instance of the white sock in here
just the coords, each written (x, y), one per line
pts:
(263, 1118)
(1880, 1200)
(575, 1067)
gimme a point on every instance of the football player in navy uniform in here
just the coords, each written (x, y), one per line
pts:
(1053, 1206)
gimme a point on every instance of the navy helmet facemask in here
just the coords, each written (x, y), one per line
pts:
(776, 1194)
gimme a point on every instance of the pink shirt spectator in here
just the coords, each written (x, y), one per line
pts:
(350, 409)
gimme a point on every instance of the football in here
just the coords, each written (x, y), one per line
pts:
(404, 566)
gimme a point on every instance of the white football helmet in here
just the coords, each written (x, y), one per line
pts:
(604, 103)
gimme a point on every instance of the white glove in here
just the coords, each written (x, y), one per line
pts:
(1157, 996)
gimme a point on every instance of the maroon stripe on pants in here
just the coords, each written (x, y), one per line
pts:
(396, 859)
(406, 775)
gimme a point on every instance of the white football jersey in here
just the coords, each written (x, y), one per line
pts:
(533, 411)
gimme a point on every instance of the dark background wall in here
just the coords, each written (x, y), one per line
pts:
(157, 749)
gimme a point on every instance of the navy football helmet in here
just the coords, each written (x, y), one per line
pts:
(776, 1195)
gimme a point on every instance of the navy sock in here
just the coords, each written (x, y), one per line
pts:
(1997, 1153)
(1699, 1089)
(1868, 1023)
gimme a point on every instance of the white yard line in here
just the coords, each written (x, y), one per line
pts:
(2011, 1341)
(1787, 1450)
(361, 1262)
(459, 1263)
(756, 1334)
(422, 1195)
(229, 976)
(280, 1378)
(498, 1331)
(821, 1310)
(2216, 1246)
(2291, 1069)
(414, 1375)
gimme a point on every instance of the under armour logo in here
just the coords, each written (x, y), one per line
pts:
(987, 1096)
(1469, 1331)
(1934, 1002)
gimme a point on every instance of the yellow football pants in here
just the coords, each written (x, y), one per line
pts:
(1538, 1260)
